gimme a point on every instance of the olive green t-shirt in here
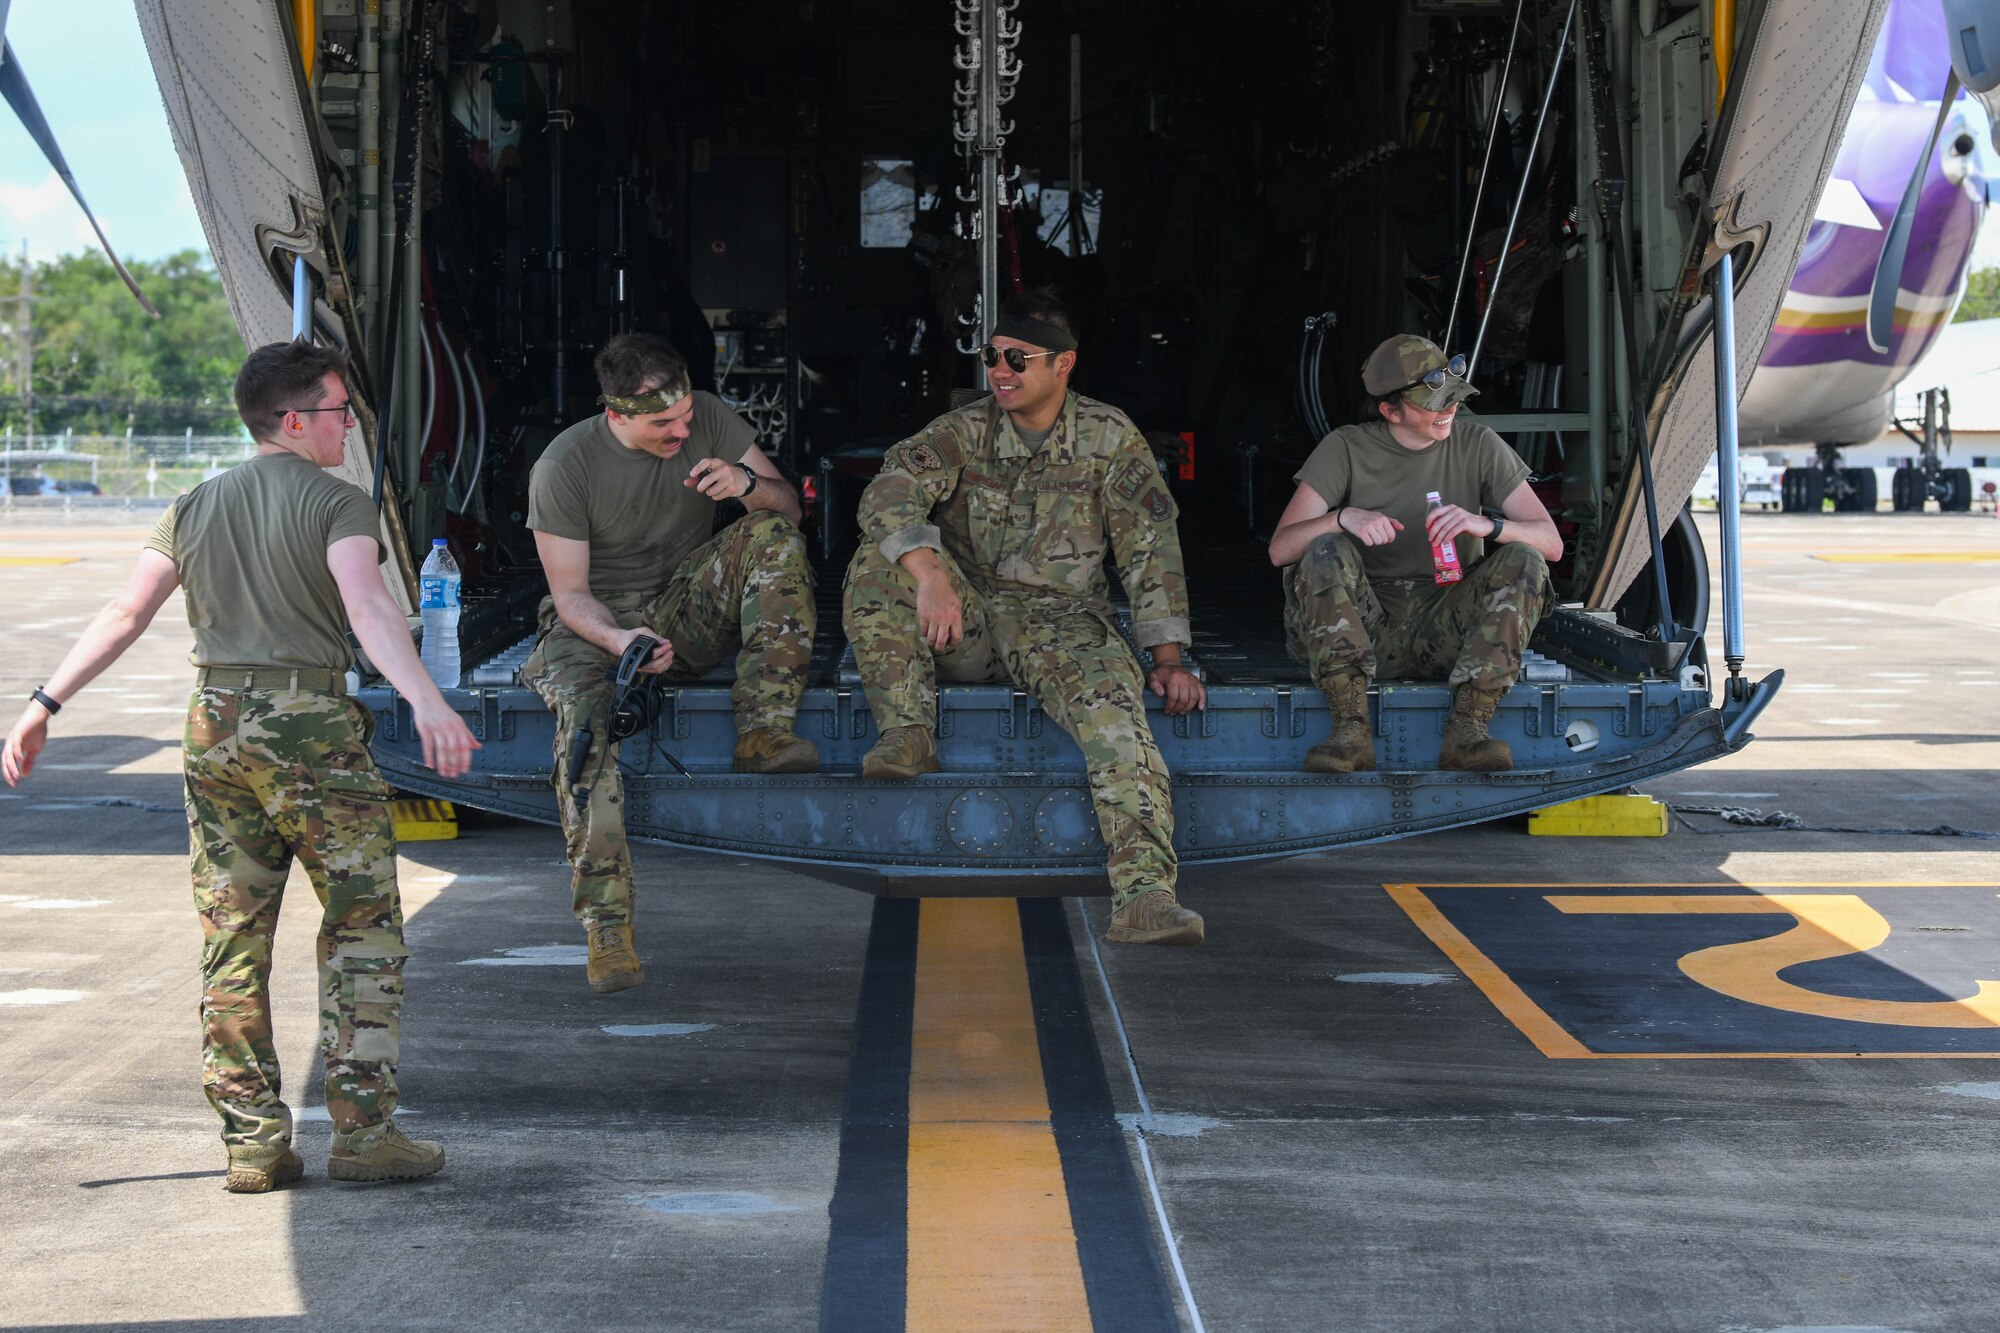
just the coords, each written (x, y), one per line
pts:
(1365, 467)
(634, 508)
(250, 549)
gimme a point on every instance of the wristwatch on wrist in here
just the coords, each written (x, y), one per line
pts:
(749, 475)
(1499, 526)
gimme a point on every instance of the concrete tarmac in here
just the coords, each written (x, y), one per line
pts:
(1354, 1127)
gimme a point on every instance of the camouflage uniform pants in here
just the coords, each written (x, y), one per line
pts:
(747, 591)
(273, 774)
(1470, 631)
(1073, 662)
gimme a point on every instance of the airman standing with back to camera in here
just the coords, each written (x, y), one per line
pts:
(982, 559)
(1356, 546)
(277, 559)
(622, 506)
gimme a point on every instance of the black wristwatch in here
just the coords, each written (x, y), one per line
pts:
(45, 699)
(751, 474)
(1499, 526)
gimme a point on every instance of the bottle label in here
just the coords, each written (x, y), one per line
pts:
(436, 591)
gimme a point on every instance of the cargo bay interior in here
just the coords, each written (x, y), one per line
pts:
(777, 186)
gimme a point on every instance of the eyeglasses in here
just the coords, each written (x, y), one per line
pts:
(346, 407)
(1016, 359)
(1434, 379)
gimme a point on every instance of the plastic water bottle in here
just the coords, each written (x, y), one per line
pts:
(440, 583)
(1444, 554)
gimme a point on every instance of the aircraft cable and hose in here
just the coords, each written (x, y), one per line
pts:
(1312, 407)
(449, 355)
(1610, 196)
(427, 374)
(1485, 164)
(479, 435)
(1743, 817)
(1521, 193)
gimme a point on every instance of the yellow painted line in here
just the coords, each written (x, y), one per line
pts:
(17, 561)
(1909, 558)
(1508, 998)
(990, 1241)
(1557, 1044)
(1830, 925)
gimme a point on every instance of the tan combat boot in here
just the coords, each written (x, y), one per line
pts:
(1348, 748)
(1467, 747)
(380, 1152)
(1155, 917)
(769, 750)
(614, 963)
(259, 1168)
(903, 752)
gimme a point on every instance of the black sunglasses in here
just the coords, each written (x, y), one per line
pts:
(1016, 359)
(1434, 379)
(347, 407)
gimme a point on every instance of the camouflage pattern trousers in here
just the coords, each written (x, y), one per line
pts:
(1470, 631)
(274, 774)
(1068, 656)
(749, 591)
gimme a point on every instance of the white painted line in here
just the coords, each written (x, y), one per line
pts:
(1395, 978)
(1734, 795)
(655, 1029)
(156, 708)
(1849, 721)
(535, 955)
(1990, 1091)
(319, 1115)
(22, 998)
(1145, 1114)
(61, 904)
(16, 897)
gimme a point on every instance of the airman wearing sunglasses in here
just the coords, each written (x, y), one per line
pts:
(1355, 544)
(982, 559)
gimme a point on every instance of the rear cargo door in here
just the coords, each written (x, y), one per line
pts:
(243, 122)
(1798, 70)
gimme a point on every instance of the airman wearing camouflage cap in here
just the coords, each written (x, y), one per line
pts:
(277, 763)
(984, 539)
(1356, 544)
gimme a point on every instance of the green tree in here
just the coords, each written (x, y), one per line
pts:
(1982, 296)
(102, 365)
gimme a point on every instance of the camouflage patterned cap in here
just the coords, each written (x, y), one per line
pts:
(1402, 362)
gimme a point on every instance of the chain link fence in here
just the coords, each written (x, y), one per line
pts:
(73, 469)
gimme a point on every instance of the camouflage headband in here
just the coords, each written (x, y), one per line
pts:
(644, 404)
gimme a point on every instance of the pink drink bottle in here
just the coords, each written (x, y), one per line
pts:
(1444, 554)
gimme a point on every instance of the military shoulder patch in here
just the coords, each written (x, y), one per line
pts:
(1159, 505)
(920, 457)
(1133, 478)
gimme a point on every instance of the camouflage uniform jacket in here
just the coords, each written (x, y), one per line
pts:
(1038, 523)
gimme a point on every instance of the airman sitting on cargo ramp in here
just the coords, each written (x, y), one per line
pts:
(982, 559)
(1361, 549)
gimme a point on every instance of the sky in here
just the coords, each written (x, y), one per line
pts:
(90, 72)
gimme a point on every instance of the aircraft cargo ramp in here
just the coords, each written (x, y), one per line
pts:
(1010, 813)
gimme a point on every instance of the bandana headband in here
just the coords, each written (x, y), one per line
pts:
(639, 405)
(1036, 332)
